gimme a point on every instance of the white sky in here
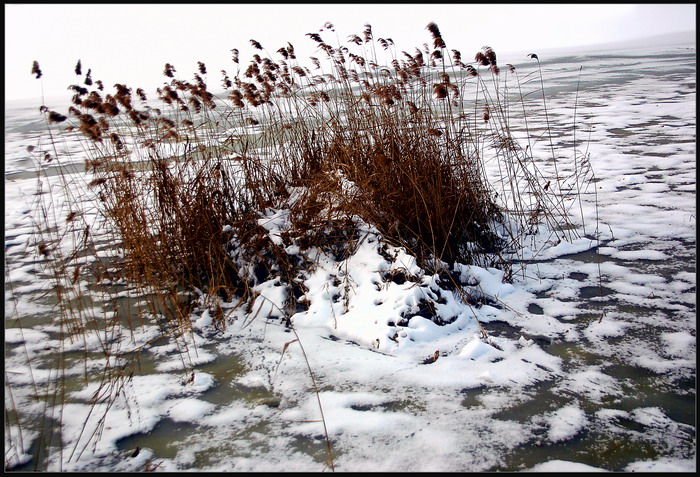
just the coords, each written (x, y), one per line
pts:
(130, 43)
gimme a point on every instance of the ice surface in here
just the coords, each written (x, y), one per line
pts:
(418, 396)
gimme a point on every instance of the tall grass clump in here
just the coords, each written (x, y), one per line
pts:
(402, 145)
(173, 203)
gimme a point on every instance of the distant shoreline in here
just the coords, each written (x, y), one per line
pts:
(666, 40)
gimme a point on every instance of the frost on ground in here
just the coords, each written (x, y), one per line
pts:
(585, 362)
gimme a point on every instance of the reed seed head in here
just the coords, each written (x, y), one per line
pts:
(437, 37)
(433, 29)
(141, 94)
(78, 89)
(36, 70)
(368, 33)
(355, 39)
(226, 81)
(55, 117)
(440, 91)
(490, 55)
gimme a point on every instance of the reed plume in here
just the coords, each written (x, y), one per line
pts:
(36, 70)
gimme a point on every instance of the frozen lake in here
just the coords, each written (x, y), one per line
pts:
(586, 374)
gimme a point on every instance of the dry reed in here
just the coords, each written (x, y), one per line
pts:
(179, 189)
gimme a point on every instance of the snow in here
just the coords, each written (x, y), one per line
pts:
(565, 423)
(679, 343)
(190, 409)
(415, 396)
(564, 466)
(592, 383)
(662, 465)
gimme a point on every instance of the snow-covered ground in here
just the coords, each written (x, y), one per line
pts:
(587, 361)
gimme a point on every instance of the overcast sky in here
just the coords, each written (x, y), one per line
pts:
(130, 43)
